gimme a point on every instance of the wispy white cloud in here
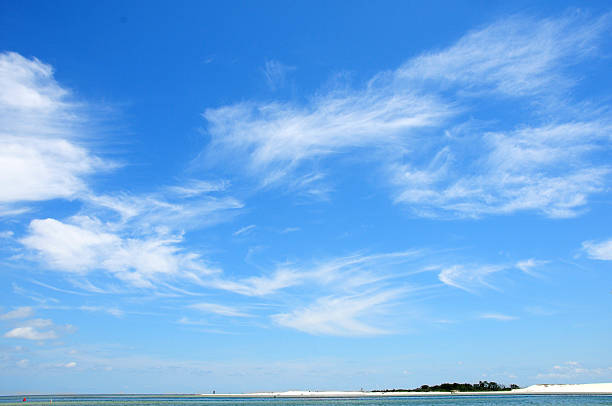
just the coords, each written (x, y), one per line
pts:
(345, 273)
(244, 230)
(404, 120)
(543, 169)
(601, 250)
(18, 313)
(469, 277)
(54, 288)
(260, 285)
(221, 310)
(34, 296)
(528, 265)
(156, 211)
(195, 187)
(347, 295)
(288, 230)
(539, 311)
(473, 277)
(278, 138)
(498, 316)
(276, 73)
(343, 316)
(113, 311)
(189, 322)
(516, 56)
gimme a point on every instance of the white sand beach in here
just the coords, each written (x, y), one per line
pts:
(568, 388)
(542, 389)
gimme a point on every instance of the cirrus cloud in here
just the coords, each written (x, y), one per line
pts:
(413, 124)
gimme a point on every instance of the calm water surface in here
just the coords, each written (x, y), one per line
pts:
(504, 400)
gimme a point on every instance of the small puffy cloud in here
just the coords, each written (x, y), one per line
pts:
(38, 330)
(88, 244)
(35, 168)
(30, 333)
(601, 250)
(69, 247)
(40, 157)
(18, 313)
(71, 364)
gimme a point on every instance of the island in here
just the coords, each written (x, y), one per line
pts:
(540, 389)
(482, 386)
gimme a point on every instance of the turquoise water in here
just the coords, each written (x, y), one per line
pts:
(502, 400)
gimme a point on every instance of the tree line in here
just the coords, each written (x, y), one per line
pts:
(482, 386)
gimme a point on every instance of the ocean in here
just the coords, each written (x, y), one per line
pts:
(186, 400)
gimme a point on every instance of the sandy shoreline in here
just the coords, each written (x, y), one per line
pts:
(569, 389)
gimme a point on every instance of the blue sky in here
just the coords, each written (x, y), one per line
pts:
(303, 195)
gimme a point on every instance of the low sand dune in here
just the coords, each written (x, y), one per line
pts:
(569, 388)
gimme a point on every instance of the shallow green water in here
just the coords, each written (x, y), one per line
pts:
(502, 400)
